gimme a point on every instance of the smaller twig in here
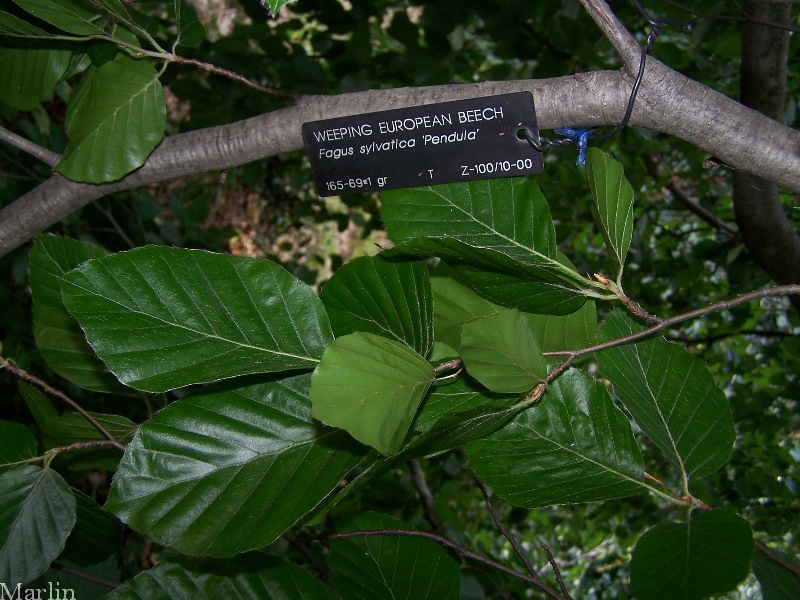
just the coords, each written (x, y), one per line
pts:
(119, 231)
(230, 75)
(48, 157)
(86, 576)
(83, 446)
(506, 534)
(6, 364)
(466, 553)
(425, 495)
(780, 290)
(631, 306)
(556, 571)
(321, 569)
(770, 554)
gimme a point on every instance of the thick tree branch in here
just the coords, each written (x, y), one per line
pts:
(667, 102)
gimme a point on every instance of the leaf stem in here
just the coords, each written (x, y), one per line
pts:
(466, 553)
(22, 374)
(780, 290)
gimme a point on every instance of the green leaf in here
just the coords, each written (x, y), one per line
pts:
(71, 16)
(246, 577)
(391, 298)
(371, 387)
(573, 446)
(190, 31)
(455, 305)
(162, 318)
(612, 207)
(114, 122)
(18, 444)
(230, 469)
(28, 73)
(37, 513)
(776, 581)
(69, 428)
(500, 351)
(497, 224)
(96, 535)
(59, 338)
(14, 26)
(671, 395)
(275, 5)
(391, 566)
(456, 396)
(708, 555)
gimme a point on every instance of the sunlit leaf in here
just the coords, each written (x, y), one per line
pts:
(574, 446)
(230, 469)
(708, 555)
(391, 298)
(103, 145)
(671, 395)
(501, 352)
(275, 5)
(612, 206)
(37, 513)
(370, 386)
(162, 318)
(245, 577)
(392, 566)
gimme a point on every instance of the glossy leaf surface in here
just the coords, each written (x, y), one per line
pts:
(371, 387)
(392, 566)
(68, 15)
(391, 298)
(573, 446)
(230, 469)
(59, 338)
(197, 316)
(612, 206)
(708, 555)
(671, 395)
(37, 513)
(245, 577)
(102, 146)
(500, 351)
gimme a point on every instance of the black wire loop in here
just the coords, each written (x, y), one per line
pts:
(580, 137)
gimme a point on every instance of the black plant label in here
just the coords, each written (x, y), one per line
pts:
(476, 138)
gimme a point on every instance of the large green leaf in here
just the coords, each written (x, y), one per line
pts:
(671, 395)
(37, 513)
(114, 122)
(28, 73)
(612, 207)
(776, 580)
(500, 351)
(59, 338)
(246, 577)
(231, 468)
(96, 535)
(370, 386)
(498, 224)
(72, 427)
(391, 566)
(72, 16)
(708, 555)
(162, 318)
(574, 446)
(388, 297)
(18, 445)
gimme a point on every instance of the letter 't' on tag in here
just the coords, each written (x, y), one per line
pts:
(477, 138)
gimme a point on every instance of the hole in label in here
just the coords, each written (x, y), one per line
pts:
(522, 134)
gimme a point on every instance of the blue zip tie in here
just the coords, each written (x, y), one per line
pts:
(580, 137)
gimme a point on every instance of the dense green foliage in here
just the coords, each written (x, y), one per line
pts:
(265, 425)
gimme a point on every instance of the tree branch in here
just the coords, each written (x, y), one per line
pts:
(425, 495)
(667, 102)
